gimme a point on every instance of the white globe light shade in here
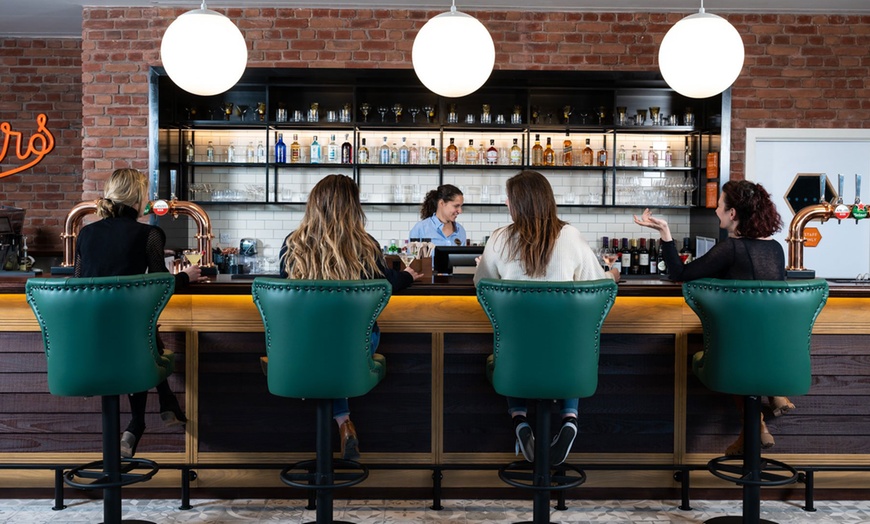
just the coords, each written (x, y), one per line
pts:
(453, 54)
(701, 56)
(204, 52)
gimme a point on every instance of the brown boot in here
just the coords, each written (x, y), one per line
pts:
(780, 405)
(767, 441)
(349, 441)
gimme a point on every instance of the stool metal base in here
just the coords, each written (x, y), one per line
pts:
(735, 520)
(125, 521)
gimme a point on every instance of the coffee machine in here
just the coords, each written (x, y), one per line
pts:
(13, 246)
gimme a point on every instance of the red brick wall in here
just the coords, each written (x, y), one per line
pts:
(42, 76)
(800, 70)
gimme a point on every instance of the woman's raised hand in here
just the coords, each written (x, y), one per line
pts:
(659, 224)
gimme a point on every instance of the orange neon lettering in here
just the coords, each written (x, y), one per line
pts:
(40, 144)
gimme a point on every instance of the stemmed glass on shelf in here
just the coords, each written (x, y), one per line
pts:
(242, 111)
(414, 110)
(383, 111)
(397, 110)
(365, 108)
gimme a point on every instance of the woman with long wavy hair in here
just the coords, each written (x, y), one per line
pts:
(538, 245)
(331, 243)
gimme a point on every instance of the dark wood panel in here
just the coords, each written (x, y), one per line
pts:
(21, 342)
(88, 443)
(239, 413)
(631, 411)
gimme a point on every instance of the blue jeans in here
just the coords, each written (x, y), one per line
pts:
(340, 407)
(567, 406)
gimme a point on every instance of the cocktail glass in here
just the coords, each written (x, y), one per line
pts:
(414, 110)
(242, 111)
(365, 108)
(397, 110)
(429, 111)
(228, 110)
(383, 111)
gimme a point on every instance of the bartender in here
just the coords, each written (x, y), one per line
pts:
(438, 212)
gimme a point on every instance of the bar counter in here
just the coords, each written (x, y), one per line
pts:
(435, 406)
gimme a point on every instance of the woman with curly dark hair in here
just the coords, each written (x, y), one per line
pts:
(750, 217)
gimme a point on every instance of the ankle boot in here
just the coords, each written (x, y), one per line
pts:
(767, 441)
(780, 405)
(349, 441)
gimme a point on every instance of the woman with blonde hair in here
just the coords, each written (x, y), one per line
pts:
(331, 243)
(538, 245)
(120, 245)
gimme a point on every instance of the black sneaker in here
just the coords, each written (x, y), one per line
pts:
(563, 441)
(525, 441)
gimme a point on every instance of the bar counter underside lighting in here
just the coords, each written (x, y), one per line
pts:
(435, 406)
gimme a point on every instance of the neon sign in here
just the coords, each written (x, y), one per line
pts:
(41, 143)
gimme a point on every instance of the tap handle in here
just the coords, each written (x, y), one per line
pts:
(823, 185)
(173, 180)
(840, 180)
(857, 187)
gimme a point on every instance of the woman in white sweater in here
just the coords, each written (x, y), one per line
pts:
(538, 245)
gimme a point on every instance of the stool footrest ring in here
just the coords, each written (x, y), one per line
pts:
(309, 480)
(730, 468)
(99, 478)
(520, 475)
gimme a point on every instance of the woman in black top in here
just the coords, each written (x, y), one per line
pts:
(120, 245)
(750, 217)
(331, 243)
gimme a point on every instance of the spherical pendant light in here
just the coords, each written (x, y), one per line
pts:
(453, 54)
(701, 56)
(204, 52)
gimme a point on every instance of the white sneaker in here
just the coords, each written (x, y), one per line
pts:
(562, 442)
(525, 441)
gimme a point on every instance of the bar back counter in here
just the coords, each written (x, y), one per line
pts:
(435, 410)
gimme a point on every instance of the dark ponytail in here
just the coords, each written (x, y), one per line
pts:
(447, 193)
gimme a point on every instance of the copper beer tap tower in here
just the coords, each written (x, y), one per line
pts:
(203, 236)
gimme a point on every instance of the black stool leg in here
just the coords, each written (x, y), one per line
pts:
(112, 458)
(324, 460)
(541, 507)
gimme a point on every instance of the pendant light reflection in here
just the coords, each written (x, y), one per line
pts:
(701, 55)
(453, 54)
(204, 52)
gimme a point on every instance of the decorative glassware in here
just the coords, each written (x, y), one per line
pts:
(261, 111)
(654, 115)
(566, 114)
(242, 111)
(602, 114)
(314, 112)
(689, 117)
(485, 116)
(517, 115)
(641, 117)
(397, 111)
(620, 115)
(429, 112)
(365, 108)
(383, 111)
(452, 115)
(228, 110)
(414, 110)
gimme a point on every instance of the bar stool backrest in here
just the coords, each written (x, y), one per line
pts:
(100, 334)
(546, 335)
(318, 335)
(756, 333)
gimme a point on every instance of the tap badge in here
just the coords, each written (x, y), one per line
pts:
(40, 144)
(160, 207)
(842, 211)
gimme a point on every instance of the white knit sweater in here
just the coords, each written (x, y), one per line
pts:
(572, 259)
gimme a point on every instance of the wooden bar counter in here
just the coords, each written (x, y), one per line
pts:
(435, 406)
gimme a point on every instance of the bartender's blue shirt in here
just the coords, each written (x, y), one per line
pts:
(433, 229)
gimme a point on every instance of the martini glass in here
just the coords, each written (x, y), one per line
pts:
(414, 110)
(383, 111)
(193, 256)
(242, 111)
(228, 110)
(429, 111)
(407, 258)
(397, 110)
(365, 108)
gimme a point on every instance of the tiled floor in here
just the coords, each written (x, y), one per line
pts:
(258, 511)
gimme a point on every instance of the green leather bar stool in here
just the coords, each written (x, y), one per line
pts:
(100, 337)
(318, 340)
(546, 338)
(756, 344)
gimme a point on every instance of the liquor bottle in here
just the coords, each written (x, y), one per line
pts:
(432, 156)
(652, 157)
(643, 255)
(346, 150)
(209, 152)
(314, 156)
(686, 252)
(470, 153)
(634, 160)
(280, 150)
(516, 154)
(653, 257)
(249, 153)
(626, 257)
(669, 157)
(537, 152)
(394, 154)
(231, 153)
(492, 153)
(261, 152)
(404, 152)
(481, 155)
(384, 153)
(190, 151)
(414, 154)
(452, 153)
(363, 153)
(333, 151)
(586, 156)
(601, 156)
(549, 154)
(687, 155)
(620, 156)
(567, 151)
(634, 258)
(614, 248)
